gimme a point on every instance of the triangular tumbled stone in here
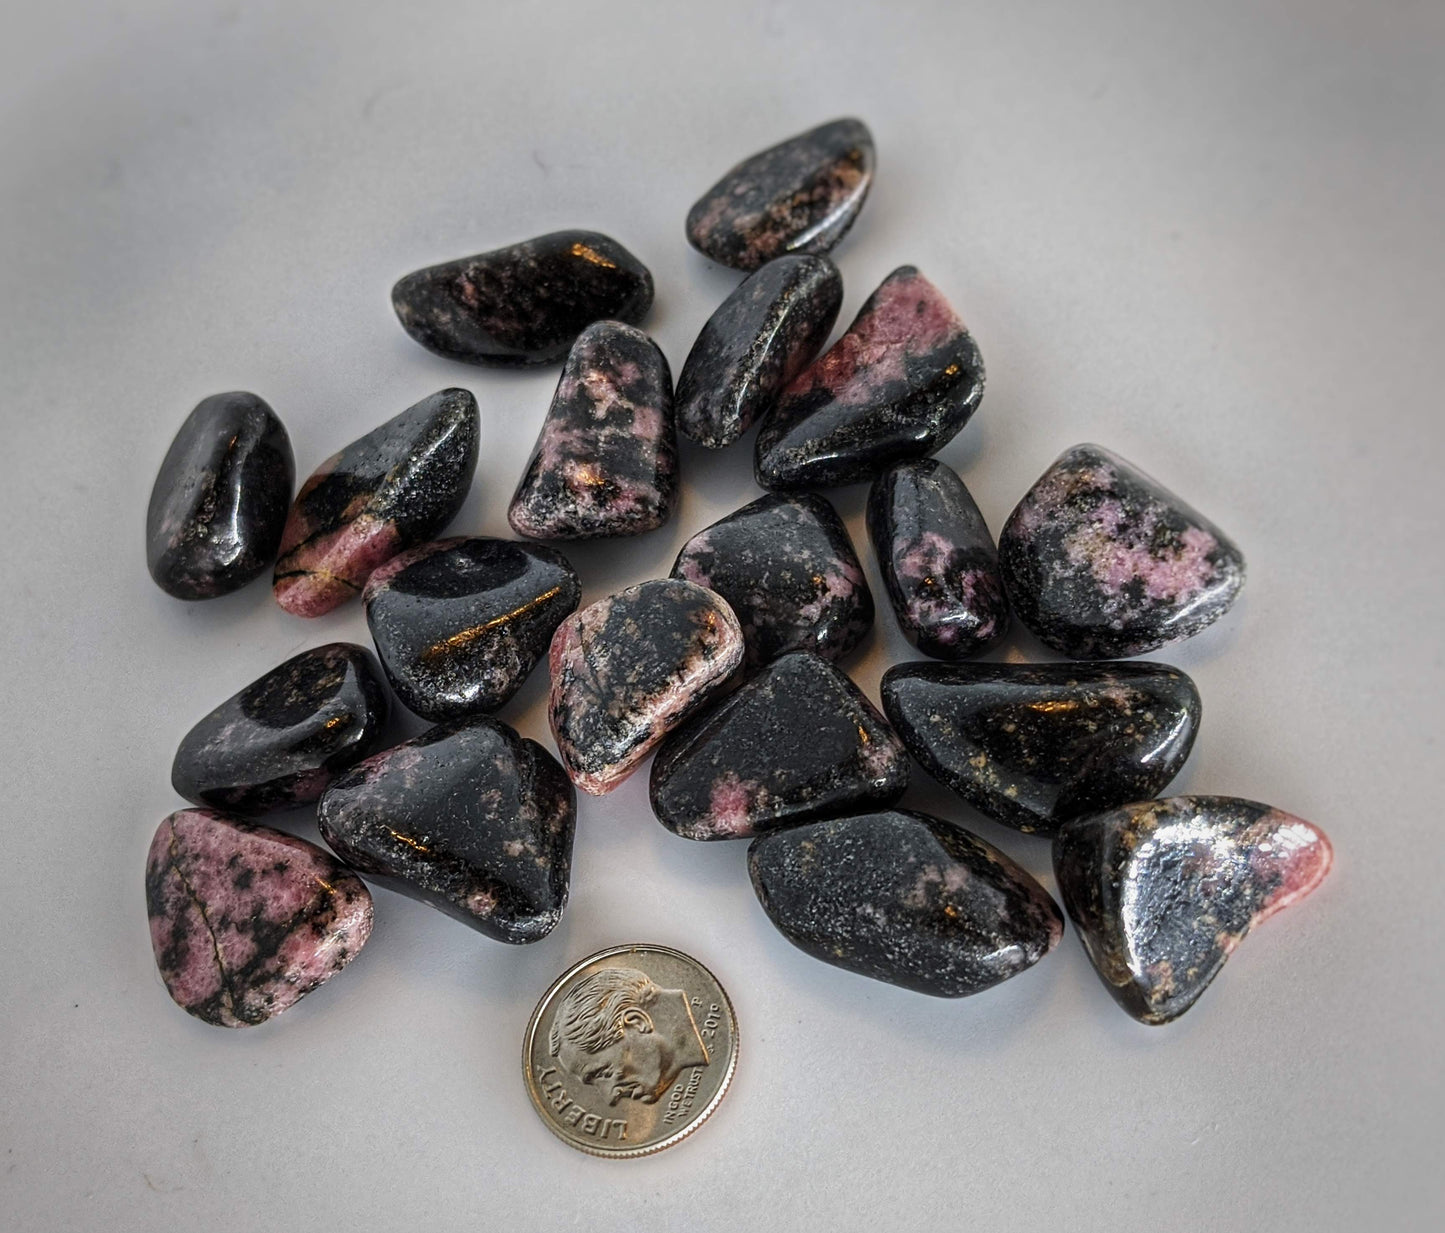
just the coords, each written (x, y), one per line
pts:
(742, 767)
(246, 920)
(605, 463)
(1162, 892)
(470, 818)
(1032, 745)
(900, 384)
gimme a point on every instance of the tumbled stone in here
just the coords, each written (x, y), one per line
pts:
(1162, 892)
(788, 570)
(245, 920)
(773, 324)
(394, 488)
(632, 667)
(799, 196)
(1103, 562)
(799, 741)
(460, 623)
(219, 502)
(938, 560)
(605, 463)
(1032, 745)
(904, 898)
(283, 738)
(469, 818)
(523, 304)
(900, 384)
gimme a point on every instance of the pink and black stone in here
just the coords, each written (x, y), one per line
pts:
(605, 463)
(1033, 745)
(938, 560)
(394, 488)
(773, 323)
(245, 920)
(799, 196)
(905, 898)
(282, 739)
(460, 623)
(788, 570)
(900, 384)
(740, 768)
(1103, 562)
(219, 502)
(469, 818)
(629, 669)
(523, 304)
(1162, 892)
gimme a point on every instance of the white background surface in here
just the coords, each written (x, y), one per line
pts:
(1207, 236)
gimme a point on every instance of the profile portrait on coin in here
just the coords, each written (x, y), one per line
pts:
(620, 1032)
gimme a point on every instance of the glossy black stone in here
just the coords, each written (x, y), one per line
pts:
(283, 738)
(523, 304)
(219, 502)
(1161, 892)
(788, 569)
(746, 766)
(938, 560)
(1103, 562)
(773, 324)
(900, 383)
(1033, 745)
(904, 898)
(469, 818)
(800, 196)
(460, 623)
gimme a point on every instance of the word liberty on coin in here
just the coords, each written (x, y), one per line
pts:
(630, 1051)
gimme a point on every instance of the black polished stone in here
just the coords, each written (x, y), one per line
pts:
(1162, 892)
(904, 898)
(773, 324)
(460, 623)
(938, 560)
(899, 384)
(523, 304)
(788, 569)
(1032, 745)
(220, 499)
(799, 196)
(1103, 562)
(283, 738)
(746, 766)
(469, 818)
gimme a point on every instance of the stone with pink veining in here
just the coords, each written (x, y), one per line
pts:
(1103, 562)
(246, 920)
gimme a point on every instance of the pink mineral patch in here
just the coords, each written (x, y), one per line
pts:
(330, 569)
(1293, 852)
(730, 807)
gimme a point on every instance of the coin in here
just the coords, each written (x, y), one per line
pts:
(630, 1050)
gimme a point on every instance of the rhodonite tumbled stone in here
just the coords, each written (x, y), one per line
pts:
(395, 487)
(904, 898)
(773, 324)
(283, 738)
(798, 741)
(938, 559)
(469, 818)
(1162, 892)
(630, 668)
(1032, 745)
(219, 502)
(523, 304)
(246, 920)
(900, 384)
(460, 623)
(799, 196)
(1103, 562)
(788, 570)
(605, 462)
